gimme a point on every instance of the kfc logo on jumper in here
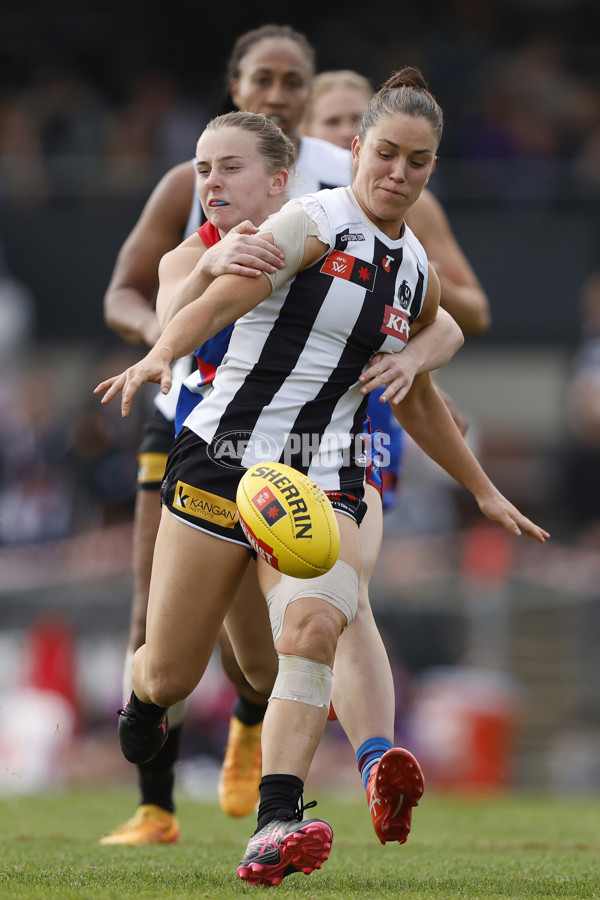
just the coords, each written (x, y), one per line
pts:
(395, 323)
(342, 265)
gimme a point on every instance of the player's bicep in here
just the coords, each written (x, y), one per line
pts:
(295, 233)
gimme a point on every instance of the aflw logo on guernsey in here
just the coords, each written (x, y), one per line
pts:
(342, 265)
(395, 323)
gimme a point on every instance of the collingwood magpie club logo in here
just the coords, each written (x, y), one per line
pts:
(404, 295)
(228, 449)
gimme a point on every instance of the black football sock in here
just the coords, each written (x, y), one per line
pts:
(157, 788)
(279, 798)
(156, 778)
(249, 713)
(145, 711)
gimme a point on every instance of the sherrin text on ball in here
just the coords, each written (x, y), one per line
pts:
(288, 520)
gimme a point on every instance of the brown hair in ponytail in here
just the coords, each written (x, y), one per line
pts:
(404, 92)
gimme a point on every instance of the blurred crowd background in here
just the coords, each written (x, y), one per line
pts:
(494, 641)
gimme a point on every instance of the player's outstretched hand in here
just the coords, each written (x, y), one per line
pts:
(155, 367)
(497, 508)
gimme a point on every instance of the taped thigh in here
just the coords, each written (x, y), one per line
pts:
(339, 587)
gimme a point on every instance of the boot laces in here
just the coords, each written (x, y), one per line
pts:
(299, 813)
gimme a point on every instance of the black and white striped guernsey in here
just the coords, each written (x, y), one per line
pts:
(319, 164)
(288, 384)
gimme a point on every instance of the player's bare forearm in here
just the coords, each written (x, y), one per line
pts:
(131, 316)
(228, 298)
(425, 416)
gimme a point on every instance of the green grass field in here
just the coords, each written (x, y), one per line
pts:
(509, 846)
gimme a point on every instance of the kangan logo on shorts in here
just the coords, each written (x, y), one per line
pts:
(204, 505)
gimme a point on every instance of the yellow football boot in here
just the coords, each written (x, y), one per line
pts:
(241, 772)
(150, 825)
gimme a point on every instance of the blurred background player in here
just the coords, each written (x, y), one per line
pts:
(337, 102)
(581, 498)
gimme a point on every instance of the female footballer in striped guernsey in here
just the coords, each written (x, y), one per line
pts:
(300, 342)
(367, 719)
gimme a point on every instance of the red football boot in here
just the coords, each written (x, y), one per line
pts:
(395, 786)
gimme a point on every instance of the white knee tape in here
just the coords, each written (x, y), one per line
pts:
(339, 587)
(303, 680)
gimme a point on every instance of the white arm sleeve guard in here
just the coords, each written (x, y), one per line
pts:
(290, 227)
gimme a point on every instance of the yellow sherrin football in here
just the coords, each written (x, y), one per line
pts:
(288, 520)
